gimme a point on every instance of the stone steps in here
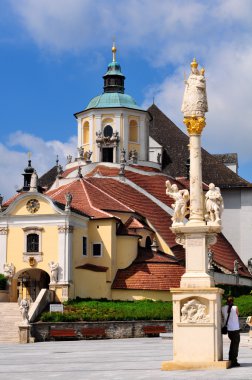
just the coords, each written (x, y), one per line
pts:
(10, 318)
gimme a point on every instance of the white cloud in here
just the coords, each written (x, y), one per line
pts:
(43, 156)
(167, 33)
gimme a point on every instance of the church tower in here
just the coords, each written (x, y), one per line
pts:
(113, 121)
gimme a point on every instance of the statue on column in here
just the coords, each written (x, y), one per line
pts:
(181, 197)
(24, 309)
(214, 205)
(54, 267)
(68, 198)
(195, 97)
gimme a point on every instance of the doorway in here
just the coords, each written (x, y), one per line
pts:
(107, 154)
(30, 282)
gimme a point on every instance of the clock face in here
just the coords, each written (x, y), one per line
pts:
(32, 205)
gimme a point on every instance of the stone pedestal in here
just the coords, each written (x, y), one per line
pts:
(197, 338)
(24, 333)
(197, 341)
(196, 239)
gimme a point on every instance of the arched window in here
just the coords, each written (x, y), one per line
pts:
(32, 243)
(133, 131)
(108, 131)
(86, 133)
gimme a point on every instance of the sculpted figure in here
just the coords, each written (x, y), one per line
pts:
(24, 309)
(81, 152)
(34, 181)
(69, 159)
(181, 197)
(194, 312)
(8, 270)
(54, 272)
(236, 267)
(68, 198)
(214, 205)
(195, 98)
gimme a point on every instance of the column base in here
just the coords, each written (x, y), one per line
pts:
(176, 366)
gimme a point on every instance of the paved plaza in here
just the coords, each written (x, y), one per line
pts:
(131, 359)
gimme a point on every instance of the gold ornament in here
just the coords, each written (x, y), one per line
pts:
(194, 63)
(194, 125)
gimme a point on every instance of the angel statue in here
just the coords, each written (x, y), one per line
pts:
(181, 197)
(54, 267)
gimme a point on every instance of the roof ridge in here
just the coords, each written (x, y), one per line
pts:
(61, 188)
(108, 195)
(89, 200)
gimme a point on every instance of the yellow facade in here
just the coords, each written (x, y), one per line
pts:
(61, 241)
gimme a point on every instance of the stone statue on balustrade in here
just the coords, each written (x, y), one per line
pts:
(214, 205)
(54, 267)
(8, 270)
(195, 97)
(181, 198)
(68, 198)
(24, 309)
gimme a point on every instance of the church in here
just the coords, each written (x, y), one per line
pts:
(100, 226)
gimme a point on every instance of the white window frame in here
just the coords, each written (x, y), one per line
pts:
(32, 230)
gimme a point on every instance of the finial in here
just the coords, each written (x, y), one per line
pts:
(194, 63)
(29, 155)
(114, 51)
(57, 160)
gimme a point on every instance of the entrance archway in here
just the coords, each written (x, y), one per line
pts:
(28, 283)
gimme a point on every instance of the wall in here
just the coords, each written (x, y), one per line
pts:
(237, 221)
(114, 330)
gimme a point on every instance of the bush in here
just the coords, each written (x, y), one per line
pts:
(104, 310)
(3, 281)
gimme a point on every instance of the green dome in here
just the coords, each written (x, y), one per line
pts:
(114, 69)
(112, 100)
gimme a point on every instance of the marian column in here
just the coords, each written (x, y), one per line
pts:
(197, 339)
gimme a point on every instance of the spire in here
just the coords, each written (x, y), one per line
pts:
(114, 79)
(114, 52)
(28, 171)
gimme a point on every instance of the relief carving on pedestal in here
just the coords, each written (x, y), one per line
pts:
(194, 312)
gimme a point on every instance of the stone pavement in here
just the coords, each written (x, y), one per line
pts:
(131, 359)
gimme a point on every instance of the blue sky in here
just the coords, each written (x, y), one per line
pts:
(53, 55)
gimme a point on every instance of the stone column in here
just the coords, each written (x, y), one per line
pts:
(194, 128)
(65, 253)
(80, 133)
(197, 303)
(98, 128)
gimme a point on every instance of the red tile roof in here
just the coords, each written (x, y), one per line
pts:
(153, 273)
(138, 202)
(81, 201)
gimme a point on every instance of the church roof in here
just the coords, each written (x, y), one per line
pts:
(113, 100)
(150, 271)
(175, 144)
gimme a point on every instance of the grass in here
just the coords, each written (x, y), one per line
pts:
(104, 310)
(244, 304)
